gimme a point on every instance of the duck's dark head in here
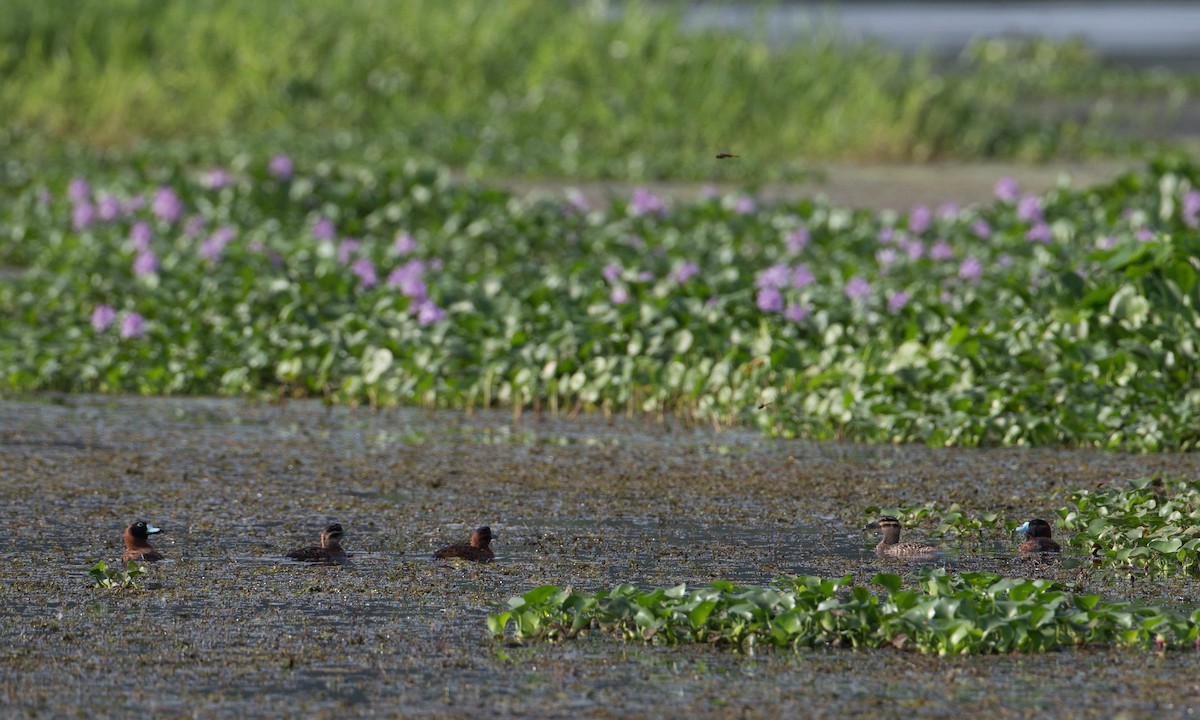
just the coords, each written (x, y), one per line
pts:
(142, 530)
(481, 537)
(331, 536)
(1036, 527)
(888, 525)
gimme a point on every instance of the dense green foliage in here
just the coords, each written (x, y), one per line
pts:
(122, 577)
(1068, 319)
(946, 614)
(1151, 526)
(532, 87)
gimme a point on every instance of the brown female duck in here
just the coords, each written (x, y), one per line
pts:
(890, 545)
(477, 550)
(329, 551)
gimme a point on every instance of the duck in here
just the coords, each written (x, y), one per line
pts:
(329, 551)
(476, 551)
(137, 543)
(1037, 537)
(890, 545)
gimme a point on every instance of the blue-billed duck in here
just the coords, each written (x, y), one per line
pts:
(890, 545)
(137, 542)
(1037, 537)
(330, 550)
(477, 550)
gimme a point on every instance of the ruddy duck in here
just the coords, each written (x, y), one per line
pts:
(477, 550)
(137, 543)
(1037, 537)
(890, 545)
(330, 550)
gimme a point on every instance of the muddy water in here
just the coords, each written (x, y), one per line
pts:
(227, 628)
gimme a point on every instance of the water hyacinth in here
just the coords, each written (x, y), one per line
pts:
(948, 211)
(166, 205)
(941, 251)
(217, 178)
(970, 269)
(407, 278)
(769, 299)
(280, 166)
(82, 216)
(323, 229)
(346, 250)
(1189, 208)
(619, 295)
(79, 190)
(404, 244)
(744, 205)
(1029, 208)
(886, 257)
(802, 276)
(612, 271)
(577, 201)
(133, 325)
(897, 301)
(213, 246)
(1039, 233)
(776, 276)
(685, 272)
(195, 225)
(797, 312)
(146, 263)
(140, 236)
(103, 317)
(857, 288)
(644, 202)
(797, 240)
(108, 207)
(429, 313)
(914, 249)
(1007, 190)
(365, 270)
(982, 230)
(919, 219)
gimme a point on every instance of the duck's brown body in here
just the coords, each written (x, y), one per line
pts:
(1037, 537)
(890, 545)
(137, 543)
(329, 551)
(476, 551)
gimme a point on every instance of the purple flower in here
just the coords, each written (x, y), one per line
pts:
(685, 272)
(1190, 208)
(211, 248)
(195, 225)
(645, 276)
(82, 216)
(1007, 189)
(167, 205)
(102, 317)
(970, 269)
(365, 270)
(407, 278)
(1144, 234)
(280, 166)
(140, 236)
(323, 229)
(802, 276)
(217, 178)
(897, 301)
(79, 190)
(1029, 208)
(941, 250)
(404, 244)
(1003, 260)
(612, 271)
(1106, 242)
(886, 235)
(776, 276)
(915, 249)
(797, 240)
(885, 257)
(1039, 233)
(577, 200)
(644, 202)
(346, 250)
(797, 312)
(857, 288)
(133, 326)
(619, 295)
(428, 313)
(981, 229)
(637, 242)
(947, 211)
(108, 207)
(744, 205)
(133, 204)
(769, 300)
(919, 219)
(146, 263)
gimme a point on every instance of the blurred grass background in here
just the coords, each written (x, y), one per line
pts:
(529, 88)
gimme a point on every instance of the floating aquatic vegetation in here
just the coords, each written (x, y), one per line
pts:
(946, 614)
(122, 577)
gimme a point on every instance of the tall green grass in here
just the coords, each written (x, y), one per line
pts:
(524, 87)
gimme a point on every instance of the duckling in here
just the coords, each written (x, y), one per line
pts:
(137, 543)
(477, 550)
(1037, 537)
(330, 550)
(890, 545)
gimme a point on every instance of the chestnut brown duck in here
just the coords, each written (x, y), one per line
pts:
(1037, 537)
(329, 551)
(890, 545)
(476, 550)
(137, 543)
